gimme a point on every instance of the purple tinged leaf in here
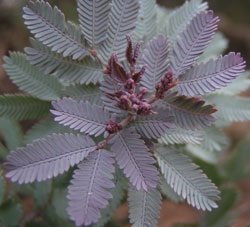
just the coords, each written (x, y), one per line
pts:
(88, 118)
(117, 71)
(156, 125)
(155, 57)
(193, 41)
(135, 160)
(189, 113)
(89, 189)
(213, 75)
(129, 51)
(48, 157)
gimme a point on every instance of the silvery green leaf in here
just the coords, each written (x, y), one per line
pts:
(144, 207)
(122, 21)
(21, 107)
(146, 21)
(68, 71)
(230, 108)
(186, 179)
(49, 26)
(30, 79)
(93, 19)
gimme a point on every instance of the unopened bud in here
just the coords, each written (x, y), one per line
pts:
(129, 85)
(143, 91)
(144, 109)
(124, 103)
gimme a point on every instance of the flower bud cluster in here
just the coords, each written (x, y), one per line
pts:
(128, 98)
(134, 102)
(166, 83)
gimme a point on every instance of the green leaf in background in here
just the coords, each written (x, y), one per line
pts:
(238, 166)
(11, 133)
(39, 191)
(10, 213)
(3, 151)
(59, 202)
(2, 187)
(222, 216)
(21, 107)
(56, 213)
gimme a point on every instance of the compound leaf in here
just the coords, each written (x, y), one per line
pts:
(89, 93)
(118, 193)
(21, 107)
(48, 157)
(168, 192)
(162, 17)
(122, 21)
(155, 126)
(134, 159)
(213, 75)
(155, 57)
(65, 69)
(179, 18)
(189, 113)
(179, 135)
(186, 179)
(30, 79)
(93, 19)
(49, 26)
(230, 108)
(83, 116)
(146, 21)
(89, 189)
(144, 207)
(193, 41)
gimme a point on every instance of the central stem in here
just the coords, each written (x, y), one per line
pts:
(123, 123)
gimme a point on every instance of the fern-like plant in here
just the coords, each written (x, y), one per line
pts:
(123, 104)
